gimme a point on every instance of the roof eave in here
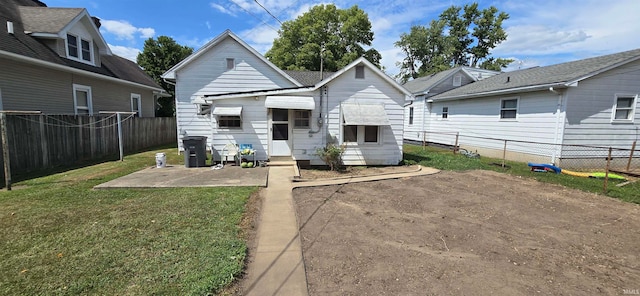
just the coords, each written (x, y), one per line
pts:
(55, 66)
(559, 85)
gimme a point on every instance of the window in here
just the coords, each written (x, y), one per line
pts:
(72, 46)
(508, 108)
(624, 108)
(350, 134)
(302, 118)
(359, 72)
(445, 112)
(457, 80)
(79, 49)
(86, 50)
(371, 134)
(231, 64)
(82, 100)
(410, 115)
(136, 104)
(229, 121)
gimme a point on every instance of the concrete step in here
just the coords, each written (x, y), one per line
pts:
(281, 163)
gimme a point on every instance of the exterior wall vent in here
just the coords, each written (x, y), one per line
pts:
(10, 27)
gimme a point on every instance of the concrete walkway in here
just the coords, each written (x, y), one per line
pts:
(278, 268)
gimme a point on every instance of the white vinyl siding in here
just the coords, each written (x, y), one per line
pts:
(82, 100)
(590, 109)
(208, 74)
(457, 80)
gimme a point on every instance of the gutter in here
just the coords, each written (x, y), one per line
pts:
(59, 67)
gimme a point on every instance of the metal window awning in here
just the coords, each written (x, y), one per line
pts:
(290, 102)
(227, 111)
(364, 114)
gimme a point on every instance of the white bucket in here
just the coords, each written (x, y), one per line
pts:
(161, 160)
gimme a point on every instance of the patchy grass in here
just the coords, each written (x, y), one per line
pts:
(59, 236)
(444, 159)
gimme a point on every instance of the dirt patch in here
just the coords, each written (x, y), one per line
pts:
(323, 173)
(466, 233)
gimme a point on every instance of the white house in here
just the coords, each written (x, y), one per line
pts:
(230, 93)
(423, 88)
(587, 102)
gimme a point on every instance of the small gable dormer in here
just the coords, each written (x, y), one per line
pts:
(71, 32)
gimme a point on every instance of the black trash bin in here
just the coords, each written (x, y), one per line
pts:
(195, 151)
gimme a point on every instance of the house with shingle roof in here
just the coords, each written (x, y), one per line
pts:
(231, 94)
(428, 86)
(55, 60)
(592, 102)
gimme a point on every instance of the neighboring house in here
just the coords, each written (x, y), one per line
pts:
(587, 102)
(230, 93)
(55, 60)
(423, 88)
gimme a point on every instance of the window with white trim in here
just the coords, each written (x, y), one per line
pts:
(624, 108)
(136, 105)
(301, 118)
(227, 121)
(445, 112)
(79, 49)
(508, 108)
(410, 115)
(82, 100)
(361, 134)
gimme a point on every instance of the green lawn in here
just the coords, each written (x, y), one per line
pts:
(59, 236)
(445, 160)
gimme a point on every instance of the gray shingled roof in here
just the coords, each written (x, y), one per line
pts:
(308, 78)
(542, 76)
(45, 19)
(421, 84)
(25, 45)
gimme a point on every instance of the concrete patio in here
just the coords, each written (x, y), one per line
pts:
(180, 176)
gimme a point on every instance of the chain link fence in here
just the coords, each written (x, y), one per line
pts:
(582, 158)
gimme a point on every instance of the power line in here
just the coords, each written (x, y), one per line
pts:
(269, 12)
(253, 15)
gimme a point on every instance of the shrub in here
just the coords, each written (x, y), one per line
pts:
(332, 156)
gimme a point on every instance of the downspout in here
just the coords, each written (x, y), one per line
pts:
(424, 115)
(558, 124)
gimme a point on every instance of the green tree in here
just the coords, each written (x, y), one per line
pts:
(339, 34)
(462, 36)
(158, 56)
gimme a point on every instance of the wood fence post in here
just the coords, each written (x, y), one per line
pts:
(606, 173)
(118, 117)
(504, 154)
(455, 147)
(5, 150)
(633, 148)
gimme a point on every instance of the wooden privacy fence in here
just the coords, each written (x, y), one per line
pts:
(37, 141)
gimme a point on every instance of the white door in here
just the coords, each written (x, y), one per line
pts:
(280, 133)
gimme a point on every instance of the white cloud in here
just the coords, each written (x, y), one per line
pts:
(129, 53)
(260, 38)
(125, 30)
(537, 39)
(222, 9)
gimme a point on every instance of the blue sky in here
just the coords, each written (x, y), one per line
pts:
(541, 32)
